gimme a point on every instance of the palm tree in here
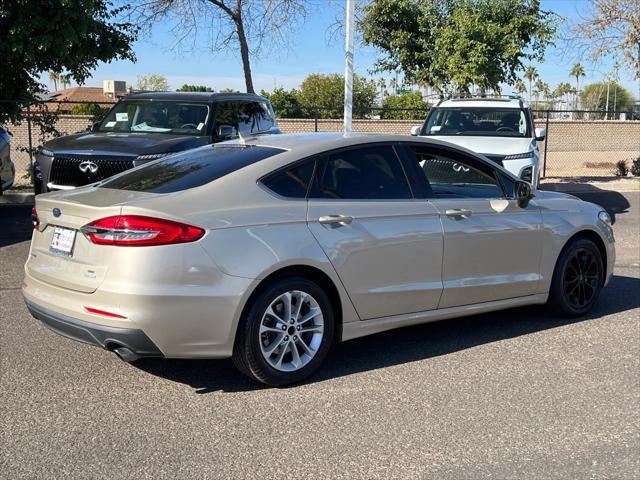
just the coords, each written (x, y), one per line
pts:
(65, 81)
(520, 87)
(577, 71)
(382, 83)
(394, 85)
(55, 78)
(530, 74)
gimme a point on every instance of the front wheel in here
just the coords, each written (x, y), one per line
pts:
(577, 279)
(286, 332)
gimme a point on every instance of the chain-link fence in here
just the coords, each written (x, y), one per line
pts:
(578, 144)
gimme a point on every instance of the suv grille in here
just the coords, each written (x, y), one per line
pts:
(66, 169)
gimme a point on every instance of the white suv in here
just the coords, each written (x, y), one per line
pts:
(500, 128)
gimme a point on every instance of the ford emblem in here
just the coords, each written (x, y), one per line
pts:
(56, 212)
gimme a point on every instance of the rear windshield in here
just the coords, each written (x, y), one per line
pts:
(190, 169)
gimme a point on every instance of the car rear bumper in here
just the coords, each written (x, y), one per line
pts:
(103, 336)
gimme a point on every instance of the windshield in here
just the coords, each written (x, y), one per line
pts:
(478, 121)
(157, 117)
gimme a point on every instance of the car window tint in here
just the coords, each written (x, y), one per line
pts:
(244, 117)
(450, 177)
(362, 173)
(293, 182)
(189, 169)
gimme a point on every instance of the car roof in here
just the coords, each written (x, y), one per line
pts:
(314, 143)
(193, 96)
(502, 103)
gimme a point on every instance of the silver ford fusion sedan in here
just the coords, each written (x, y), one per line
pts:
(270, 249)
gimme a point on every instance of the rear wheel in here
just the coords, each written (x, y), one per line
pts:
(286, 333)
(577, 279)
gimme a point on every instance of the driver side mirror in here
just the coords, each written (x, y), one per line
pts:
(415, 130)
(523, 193)
(95, 126)
(541, 134)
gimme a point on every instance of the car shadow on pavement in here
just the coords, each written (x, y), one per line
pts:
(404, 345)
(613, 202)
(15, 224)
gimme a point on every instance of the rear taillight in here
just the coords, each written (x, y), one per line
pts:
(35, 221)
(139, 231)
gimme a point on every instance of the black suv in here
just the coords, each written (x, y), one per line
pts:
(146, 126)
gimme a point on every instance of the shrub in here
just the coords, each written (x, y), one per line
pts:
(622, 169)
(635, 167)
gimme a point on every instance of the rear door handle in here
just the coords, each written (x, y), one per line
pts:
(333, 219)
(458, 212)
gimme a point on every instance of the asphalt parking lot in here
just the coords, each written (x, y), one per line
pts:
(514, 394)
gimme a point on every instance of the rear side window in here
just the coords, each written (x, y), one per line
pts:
(190, 169)
(293, 182)
(362, 173)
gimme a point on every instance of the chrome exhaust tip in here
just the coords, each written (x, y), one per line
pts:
(125, 354)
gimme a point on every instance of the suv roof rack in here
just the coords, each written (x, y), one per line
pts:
(492, 97)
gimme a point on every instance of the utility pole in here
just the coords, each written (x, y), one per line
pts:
(348, 69)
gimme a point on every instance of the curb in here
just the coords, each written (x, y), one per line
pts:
(12, 198)
(591, 187)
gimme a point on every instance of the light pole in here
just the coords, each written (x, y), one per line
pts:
(348, 69)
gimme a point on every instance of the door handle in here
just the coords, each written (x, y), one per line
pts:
(333, 219)
(458, 212)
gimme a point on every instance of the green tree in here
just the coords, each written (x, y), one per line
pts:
(455, 44)
(530, 74)
(154, 82)
(286, 103)
(520, 87)
(70, 36)
(594, 97)
(409, 106)
(194, 88)
(326, 92)
(96, 111)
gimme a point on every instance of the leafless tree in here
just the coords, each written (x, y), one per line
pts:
(610, 28)
(252, 26)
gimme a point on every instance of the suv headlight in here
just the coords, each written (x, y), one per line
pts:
(518, 156)
(527, 174)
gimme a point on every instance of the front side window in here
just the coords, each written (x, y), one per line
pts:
(189, 169)
(157, 117)
(362, 173)
(507, 122)
(450, 177)
(243, 117)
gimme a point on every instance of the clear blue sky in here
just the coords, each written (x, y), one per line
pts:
(309, 52)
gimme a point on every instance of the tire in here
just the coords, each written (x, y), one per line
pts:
(260, 332)
(577, 279)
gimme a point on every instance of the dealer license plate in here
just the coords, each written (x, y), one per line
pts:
(62, 241)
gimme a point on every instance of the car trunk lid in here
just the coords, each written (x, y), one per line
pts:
(84, 268)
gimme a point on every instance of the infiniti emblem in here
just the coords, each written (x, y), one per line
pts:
(56, 212)
(88, 166)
